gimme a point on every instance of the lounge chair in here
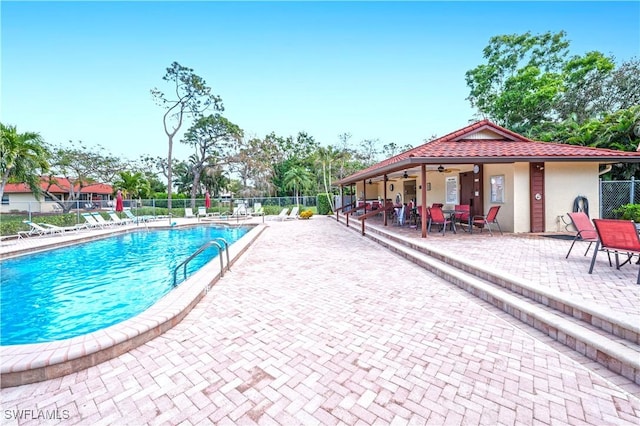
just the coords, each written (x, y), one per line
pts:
(240, 211)
(258, 210)
(586, 231)
(117, 220)
(101, 220)
(188, 212)
(282, 214)
(63, 229)
(37, 229)
(134, 218)
(91, 221)
(293, 214)
(619, 237)
(202, 212)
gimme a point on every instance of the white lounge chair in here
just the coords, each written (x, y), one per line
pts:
(101, 220)
(293, 214)
(188, 212)
(202, 212)
(282, 214)
(258, 210)
(117, 220)
(63, 229)
(38, 230)
(91, 221)
(134, 218)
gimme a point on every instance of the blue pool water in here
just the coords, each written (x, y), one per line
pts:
(71, 291)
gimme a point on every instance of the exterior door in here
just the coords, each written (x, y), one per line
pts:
(536, 183)
(470, 191)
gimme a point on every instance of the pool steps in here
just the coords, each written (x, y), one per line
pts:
(613, 342)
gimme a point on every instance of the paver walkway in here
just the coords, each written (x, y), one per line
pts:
(317, 325)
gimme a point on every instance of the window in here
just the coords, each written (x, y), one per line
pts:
(497, 189)
(5, 199)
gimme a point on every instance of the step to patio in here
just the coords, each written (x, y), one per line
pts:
(593, 333)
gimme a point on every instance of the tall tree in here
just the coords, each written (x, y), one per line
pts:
(80, 166)
(212, 138)
(529, 80)
(190, 96)
(521, 80)
(23, 158)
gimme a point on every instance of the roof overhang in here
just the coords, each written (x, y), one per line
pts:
(418, 161)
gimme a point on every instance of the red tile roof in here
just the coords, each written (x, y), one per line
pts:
(62, 187)
(462, 147)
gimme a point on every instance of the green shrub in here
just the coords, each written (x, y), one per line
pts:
(324, 207)
(271, 210)
(629, 212)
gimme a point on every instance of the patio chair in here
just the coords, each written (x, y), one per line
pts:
(486, 221)
(202, 212)
(117, 220)
(617, 236)
(101, 220)
(91, 221)
(37, 229)
(293, 214)
(437, 216)
(258, 210)
(63, 229)
(462, 214)
(134, 218)
(282, 214)
(586, 230)
(188, 212)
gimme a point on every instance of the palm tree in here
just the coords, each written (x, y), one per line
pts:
(326, 158)
(134, 185)
(23, 157)
(297, 178)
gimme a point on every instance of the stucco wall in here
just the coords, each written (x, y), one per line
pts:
(506, 213)
(522, 200)
(563, 183)
(23, 202)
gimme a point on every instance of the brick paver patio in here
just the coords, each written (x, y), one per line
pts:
(317, 325)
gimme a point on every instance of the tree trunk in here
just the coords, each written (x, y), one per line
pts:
(169, 172)
(194, 188)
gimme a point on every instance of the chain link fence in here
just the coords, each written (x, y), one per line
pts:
(614, 194)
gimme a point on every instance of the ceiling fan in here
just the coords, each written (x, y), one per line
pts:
(442, 169)
(407, 176)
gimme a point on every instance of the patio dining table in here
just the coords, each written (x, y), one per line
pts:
(452, 216)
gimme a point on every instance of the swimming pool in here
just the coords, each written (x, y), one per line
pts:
(71, 291)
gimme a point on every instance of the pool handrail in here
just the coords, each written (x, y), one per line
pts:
(197, 252)
(226, 247)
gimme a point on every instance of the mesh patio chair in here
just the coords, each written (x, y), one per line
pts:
(486, 221)
(584, 227)
(437, 216)
(619, 237)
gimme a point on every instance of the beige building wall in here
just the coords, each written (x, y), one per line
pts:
(563, 183)
(506, 214)
(521, 198)
(23, 202)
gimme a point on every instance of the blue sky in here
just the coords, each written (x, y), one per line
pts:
(392, 71)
